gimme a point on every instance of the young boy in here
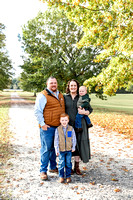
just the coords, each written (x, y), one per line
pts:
(64, 143)
(83, 102)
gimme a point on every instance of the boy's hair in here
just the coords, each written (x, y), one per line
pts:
(64, 115)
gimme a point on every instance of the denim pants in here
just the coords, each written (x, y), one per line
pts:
(47, 151)
(65, 163)
(78, 119)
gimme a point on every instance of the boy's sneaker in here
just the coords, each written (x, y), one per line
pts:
(43, 176)
(68, 180)
(89, 125)
(61, 180)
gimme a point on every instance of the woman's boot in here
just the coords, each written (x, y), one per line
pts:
(76, 168)
(72, 171)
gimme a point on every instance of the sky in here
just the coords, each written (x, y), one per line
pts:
(14, 14)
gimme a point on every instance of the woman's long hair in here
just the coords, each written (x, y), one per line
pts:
(68, 86)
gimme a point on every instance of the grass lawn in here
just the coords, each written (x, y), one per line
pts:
(115, 113)
(6, 150)
(5, 97)
(121, 103)
(27, 95)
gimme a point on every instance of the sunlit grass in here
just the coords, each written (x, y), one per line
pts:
(121, 103)
(6, 150)
(115, 113)
(5, 97)
(27, 95)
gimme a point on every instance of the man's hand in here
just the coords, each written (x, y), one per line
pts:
(45, 127)
(57, 154)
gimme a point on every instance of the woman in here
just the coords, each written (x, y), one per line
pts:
(83, 146)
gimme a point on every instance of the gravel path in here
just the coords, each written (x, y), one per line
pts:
(108, 175)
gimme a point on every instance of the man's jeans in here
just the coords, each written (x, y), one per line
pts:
(78, 119)
(47, 151)
(65, 162)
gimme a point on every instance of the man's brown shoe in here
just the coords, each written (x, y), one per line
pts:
(68, 180)
(61, 180)
(43, 176)
(54, 170)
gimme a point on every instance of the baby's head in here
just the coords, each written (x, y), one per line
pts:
(82, 90)
(64, 119)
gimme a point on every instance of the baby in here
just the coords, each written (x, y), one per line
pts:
(83, 102)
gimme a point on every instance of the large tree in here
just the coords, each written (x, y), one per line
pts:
(50, 42)
(5, 62)
(107, 24)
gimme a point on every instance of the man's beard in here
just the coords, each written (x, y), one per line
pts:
(53, 90)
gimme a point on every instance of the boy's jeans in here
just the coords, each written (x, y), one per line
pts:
(79, 117)
(47, 150)
(65, 162)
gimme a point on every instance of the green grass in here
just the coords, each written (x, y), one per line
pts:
(122, 103)
(27, 95)
(6, 150)
(4, 96)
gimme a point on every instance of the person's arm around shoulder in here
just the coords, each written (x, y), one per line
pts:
(56, 142)
(73, 140)
(38, 110)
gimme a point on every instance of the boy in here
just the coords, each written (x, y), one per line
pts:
(83, 102)
(64, 143)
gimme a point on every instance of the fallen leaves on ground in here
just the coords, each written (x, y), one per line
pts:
(92, 183)
(6, 150)
(117, 190)
(121, 123)
(114, 179)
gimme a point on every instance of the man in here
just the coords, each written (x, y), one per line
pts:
(48, 107)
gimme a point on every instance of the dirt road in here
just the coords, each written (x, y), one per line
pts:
(108, 175)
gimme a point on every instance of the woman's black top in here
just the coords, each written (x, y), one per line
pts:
(71, 108)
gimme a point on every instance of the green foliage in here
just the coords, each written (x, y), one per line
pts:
(15, 83)
(5, 63)
(130, 89)
(50, 42)
(107, 24)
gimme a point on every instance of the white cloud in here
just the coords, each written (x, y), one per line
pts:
(14, 14)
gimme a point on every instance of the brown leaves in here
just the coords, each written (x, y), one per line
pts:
(124, 169)
(120, 123)
(84, 168)
(92, 183)
(26, 191)
(114, 179)
(41, 183)
(117, 190)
